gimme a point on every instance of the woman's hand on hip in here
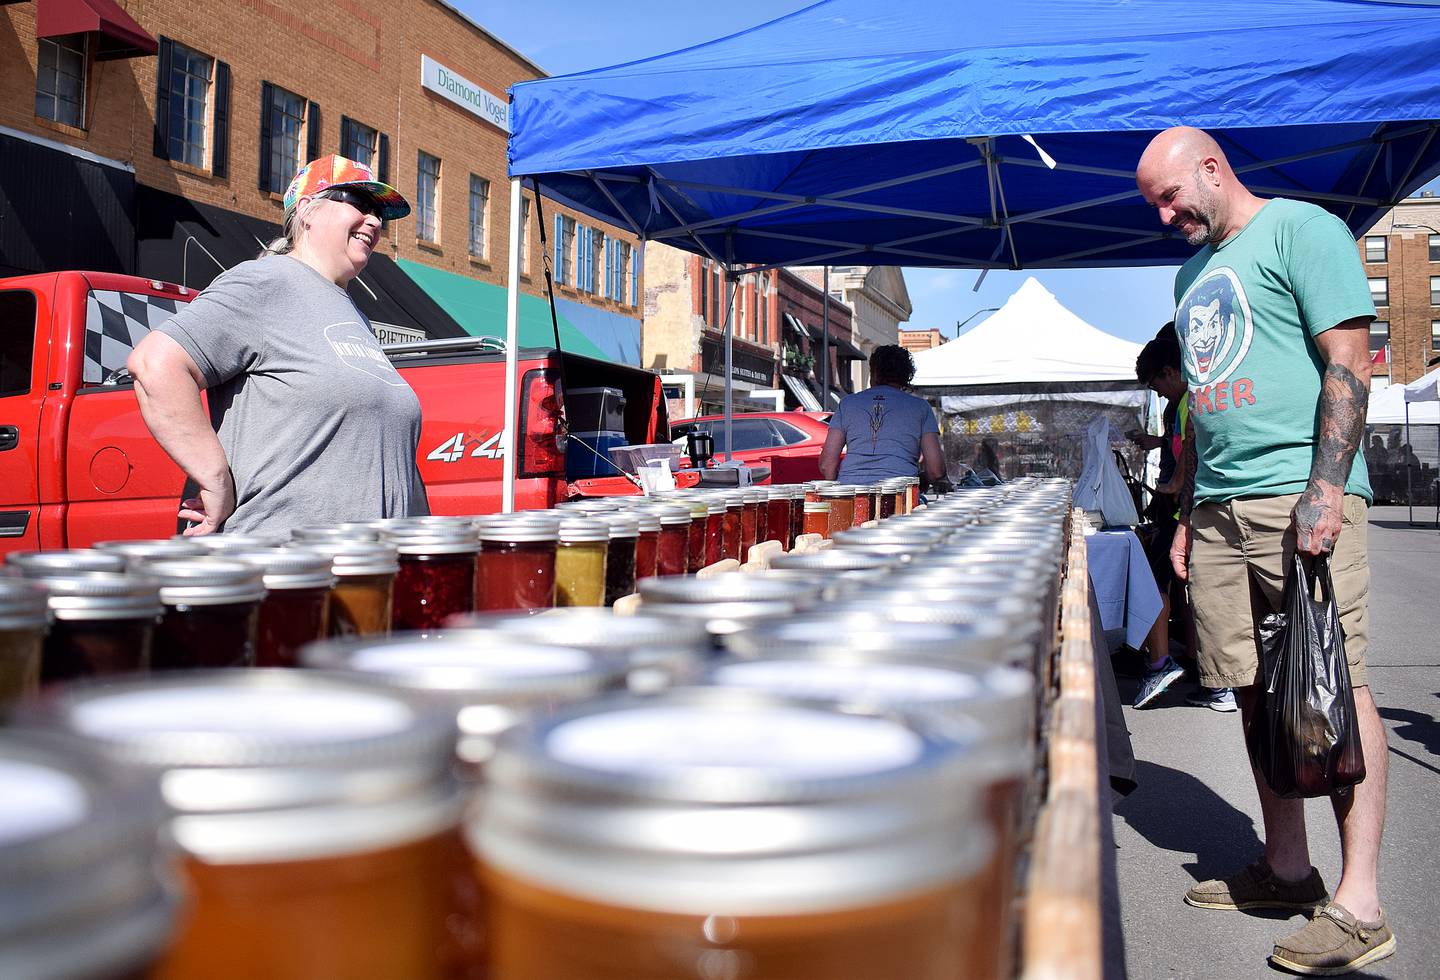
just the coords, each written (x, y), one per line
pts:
(210, 509)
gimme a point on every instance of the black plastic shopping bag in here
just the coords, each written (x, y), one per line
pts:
(1303, 735)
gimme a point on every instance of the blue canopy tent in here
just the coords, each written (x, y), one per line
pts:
(977, 135)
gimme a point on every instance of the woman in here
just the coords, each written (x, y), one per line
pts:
(309, 424)
(883, 430)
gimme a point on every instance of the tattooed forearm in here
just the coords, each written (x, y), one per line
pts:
(1343, 400)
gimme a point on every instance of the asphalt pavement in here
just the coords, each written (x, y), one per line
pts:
(1195, 814)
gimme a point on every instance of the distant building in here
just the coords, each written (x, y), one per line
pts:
(1402, 261)
(878, 302)
(917, 340)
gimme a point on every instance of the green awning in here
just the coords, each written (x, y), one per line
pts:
(479, 308)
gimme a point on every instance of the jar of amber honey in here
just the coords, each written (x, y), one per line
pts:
(873, 870)
(817, 518)
(516, 568)
(362, 602)
(104, 623)
(64, 561)
(841, 499)
(298, 582)
(318, 819)
(437, 574)
(87, 890)
(580, 562)
(212, 612)
(24, 621)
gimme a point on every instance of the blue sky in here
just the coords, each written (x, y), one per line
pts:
(563, 36)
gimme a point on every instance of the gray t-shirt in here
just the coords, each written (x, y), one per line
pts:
(882, 427)
(317, 425)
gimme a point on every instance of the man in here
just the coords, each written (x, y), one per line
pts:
(1273, 315)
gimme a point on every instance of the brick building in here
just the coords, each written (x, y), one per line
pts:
(918, 340)
(878, 302)
(776, 327)
(1402, 261)
(143, 139)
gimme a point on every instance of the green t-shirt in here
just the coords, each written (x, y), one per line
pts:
(1247, 312)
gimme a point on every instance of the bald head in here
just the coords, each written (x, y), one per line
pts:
(1184, 174)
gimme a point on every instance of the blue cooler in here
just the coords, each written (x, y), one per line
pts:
(582, 464)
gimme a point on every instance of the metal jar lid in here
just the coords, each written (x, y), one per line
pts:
(622, 526)
(133, 551)
(755, 495)
(66, 561)
(649, 519)
(674, 515)
(23, 604)
(728, 587)
(360, 531)
(289, 568)
(224, 542)
(578, 530)
(832, 560)
(733, 499)
(985, 635)
(206, 581)
(716, 505)
(845, 628)
(769, 805)
(99, 596)
(720, 619)
(274, 764)
(355, 557)
(84, 890)
(839, 491)
(433, 539)
(816, 507)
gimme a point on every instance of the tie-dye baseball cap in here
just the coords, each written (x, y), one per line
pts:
(336, 171)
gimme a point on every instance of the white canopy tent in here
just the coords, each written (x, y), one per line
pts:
(1416, 404)
(1389, 406)
(1032, 338)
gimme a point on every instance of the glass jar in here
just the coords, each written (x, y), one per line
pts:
(912, 493)
(887, 805)
(761, 497)
(88, 891)
(488, 678)
(298, 583)
(734, 522)
(64, 561)
(777, 517)
(647, 546)
(715, 530)
(151, 550)
(516, 568)
(749, 522)
(225, 543)
(724, 603)
(842, 507)
(817, 518)
(885, 502)
(580, 562)
(104, 624)
(437, 574)
(813, 488)
(863, 504)
(24, 621)
(212, 612)
(307, 806)
(620, 555)
(353, 531)
(676, 533)
(797, 513)
(362, 602)
(659, 652)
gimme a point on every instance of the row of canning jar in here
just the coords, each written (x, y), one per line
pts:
(818, 771)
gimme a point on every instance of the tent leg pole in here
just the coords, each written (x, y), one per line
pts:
(1409, 493)
(825, 341)
(729, 360)
(512, 356)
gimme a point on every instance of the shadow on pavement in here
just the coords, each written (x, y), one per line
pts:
(1177, 812)
(1421, 524)
(1415, 726)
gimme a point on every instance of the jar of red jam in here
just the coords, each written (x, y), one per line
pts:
(437, 573)
(672, 556)
(647, 546)
(620, 555)
(212, 612)
(24, 621)
(777, 516)
(104, 624)
(863, 503)
(364, 595)
(797, 512)
(697, 536)
(64, 561)
(734, 524)
(817, 518)
(297, 601)
(751, 533)
(516, 567)
(151, 550)
(715, 529)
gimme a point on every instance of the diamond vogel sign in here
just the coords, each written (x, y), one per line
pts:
(464, 93)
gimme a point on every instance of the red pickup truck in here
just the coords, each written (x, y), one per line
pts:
(78, 465)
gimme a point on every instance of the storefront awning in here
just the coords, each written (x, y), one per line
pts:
(802, 393)
(794, 326)
(841, 345)
(118, 36)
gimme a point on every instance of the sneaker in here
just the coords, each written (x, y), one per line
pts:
(1257, 887)
(1334, 942)
(1216, 699)
(1157, 680)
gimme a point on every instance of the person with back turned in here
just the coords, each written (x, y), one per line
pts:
(1273, 315)
(884, 430)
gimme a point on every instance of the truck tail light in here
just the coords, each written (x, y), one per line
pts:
(542, 437)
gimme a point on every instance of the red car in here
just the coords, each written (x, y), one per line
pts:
(787, 442)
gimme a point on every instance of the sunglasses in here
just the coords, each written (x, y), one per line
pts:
(363, 203)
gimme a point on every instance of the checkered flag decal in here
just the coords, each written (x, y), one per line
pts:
(114, 324)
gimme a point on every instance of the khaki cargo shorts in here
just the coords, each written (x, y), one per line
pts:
(1239, 551)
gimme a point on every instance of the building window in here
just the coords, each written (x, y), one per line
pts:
(1435, 248)
(634, 276)
(619, 271)
(1435, 334)
(1379, 335)
(762, 300)
(287, 119)
(1435, 290)
(60, 79)
(596, 243)
(479, 208)
(1374, 248)
(564, 250)
(359, 142)
(190, 73)
(524, 242)
(1380, 291)
(704, 287)
(427, 194)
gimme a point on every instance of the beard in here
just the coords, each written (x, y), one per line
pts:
(1203, 215)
